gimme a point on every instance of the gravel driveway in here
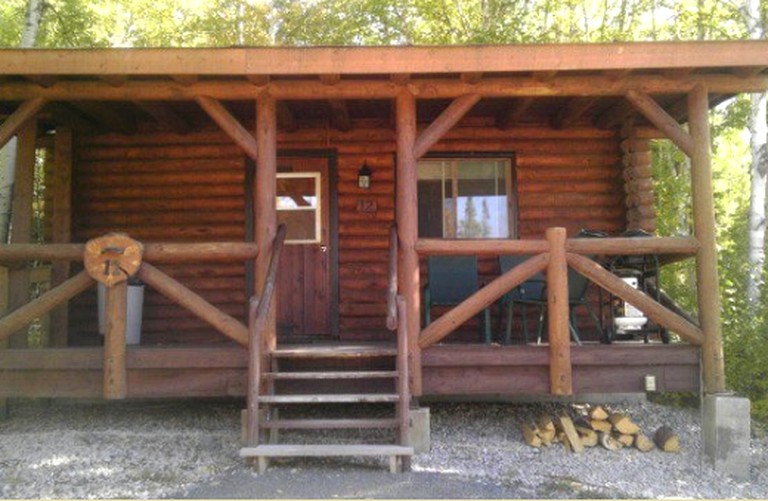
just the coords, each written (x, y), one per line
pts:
(188, 449)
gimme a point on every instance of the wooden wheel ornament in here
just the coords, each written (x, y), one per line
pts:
(113, 258)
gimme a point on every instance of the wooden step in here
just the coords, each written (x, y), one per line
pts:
(329, 424)
(331, 375)
(329, 399)
(362, 350)
(263, 452)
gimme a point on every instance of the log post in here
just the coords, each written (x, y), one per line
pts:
(61, 223)
(407, 229)
(264, 203)
(115, 374)
(21, 220)
(560, 371)
(707, 281)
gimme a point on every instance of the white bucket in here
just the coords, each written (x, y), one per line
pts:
(135, 307)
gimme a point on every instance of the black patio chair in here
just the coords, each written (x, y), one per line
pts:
(530, 290)
(451, 280)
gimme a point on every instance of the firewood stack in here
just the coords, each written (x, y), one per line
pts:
(597, 425)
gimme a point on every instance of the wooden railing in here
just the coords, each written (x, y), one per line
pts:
(396, 315)
(554, 255)
(112, 259)
(259, 309)
(392, 309)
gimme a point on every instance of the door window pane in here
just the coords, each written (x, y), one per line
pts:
(298, 206)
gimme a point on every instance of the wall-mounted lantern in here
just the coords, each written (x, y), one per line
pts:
(364, 177)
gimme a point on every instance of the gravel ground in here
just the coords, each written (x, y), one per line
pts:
(188, 449)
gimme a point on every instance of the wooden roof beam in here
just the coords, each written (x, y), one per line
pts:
(442, 124)
(514, 113)
(400, 78)
(500, 87)
(114, 80)
(749, 71)
(340, 115)
(230, 125)
(18, 118)
(165, 115)
(544, 76)
(572, 111)
(185, 80)
(614, 115)
(258, 80)
(617, 74)
(43, 80)
(661, 119)
(107, 117)
(63, 114)
(285, 117)
(472, 77)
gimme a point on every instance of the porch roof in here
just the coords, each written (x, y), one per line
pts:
(556, 85)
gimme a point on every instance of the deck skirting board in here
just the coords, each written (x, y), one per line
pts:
(215, 371)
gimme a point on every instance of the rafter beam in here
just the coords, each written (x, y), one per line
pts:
(18, 118)
(107, 117)
(340, 115)
(572, 111)
(165, 115)
(114, 80)
(43, 80)
(616, 74)
(614, 115)
(230, 125)
(471, 78)
(330, 78)
(661, 119)
(442, 124)
(514, 113)
(400, 78)
(285, 117)
(185, 80)
(63, 114)
(258, 80)
(544, 76)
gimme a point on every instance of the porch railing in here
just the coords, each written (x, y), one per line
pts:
(554, 255)
(111, 260)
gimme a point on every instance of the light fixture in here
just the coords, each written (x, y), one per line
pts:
(364, 177)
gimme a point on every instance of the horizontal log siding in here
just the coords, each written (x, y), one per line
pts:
(141, 184)
(163, 189)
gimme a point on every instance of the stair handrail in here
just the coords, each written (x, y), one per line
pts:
(259, 307)
(392, 309)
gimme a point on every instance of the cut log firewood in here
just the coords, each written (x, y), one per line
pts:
(601, 426)
(666, 439)
(610, 443)
(643, 443)
(570, 433)
(623, 424)
(626, 440)
(546, 428)
(588, 436)
(530, 435)
(598, 413)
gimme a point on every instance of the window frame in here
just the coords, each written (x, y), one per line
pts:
(510, 185)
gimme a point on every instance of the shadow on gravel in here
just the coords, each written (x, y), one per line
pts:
(332, 480)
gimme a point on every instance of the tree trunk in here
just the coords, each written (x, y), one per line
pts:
(758, 130)
(32, 23)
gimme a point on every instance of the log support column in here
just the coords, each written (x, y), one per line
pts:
(407, 231)
(21, 220)
(115, 374)
(560, 370)
(704, 227)
(61, 227)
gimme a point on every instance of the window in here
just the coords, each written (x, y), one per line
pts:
(298, 206)
(465, 198)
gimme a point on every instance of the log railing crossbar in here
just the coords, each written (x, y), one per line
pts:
(258, 317)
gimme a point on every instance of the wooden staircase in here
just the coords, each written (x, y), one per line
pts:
(336, 357)
(266, 387)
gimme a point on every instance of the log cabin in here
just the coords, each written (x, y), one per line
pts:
(282, 208)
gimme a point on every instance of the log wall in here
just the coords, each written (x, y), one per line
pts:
(166, 187)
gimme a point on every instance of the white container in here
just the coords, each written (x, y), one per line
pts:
(134, 313)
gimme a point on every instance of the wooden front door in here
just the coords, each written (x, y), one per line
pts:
(305, 297)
